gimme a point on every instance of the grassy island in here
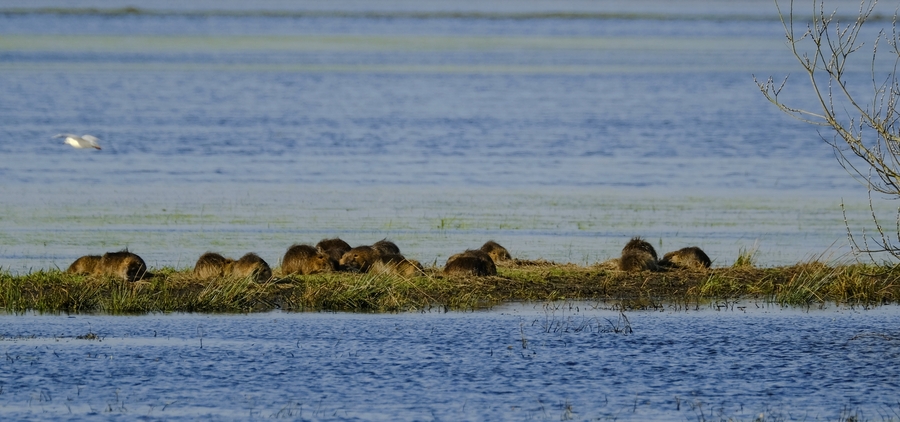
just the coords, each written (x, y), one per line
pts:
(171, 290)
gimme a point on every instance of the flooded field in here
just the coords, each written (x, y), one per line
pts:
(578, 225)
(436, 125)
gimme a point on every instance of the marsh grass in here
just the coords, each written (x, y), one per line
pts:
(171, 290)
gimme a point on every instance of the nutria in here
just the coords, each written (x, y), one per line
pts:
(251, 265)
(477, 253)
(638, 255)
(469, 265)
(471, 262)
(122, 264)
(386, 247)
(690, 257)
(498, 253)
(305, 259)
(211, 265)
(85, 265)
(359, 258)
(334, 248)
(396, 264)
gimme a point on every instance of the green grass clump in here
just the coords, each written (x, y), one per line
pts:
(171, 290)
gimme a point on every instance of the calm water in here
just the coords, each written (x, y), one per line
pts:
(438, 125)
(519, 362)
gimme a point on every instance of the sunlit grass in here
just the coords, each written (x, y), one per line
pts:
(172, 290)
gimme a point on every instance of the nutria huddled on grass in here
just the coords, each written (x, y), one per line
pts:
(382, 257)
(386, 247)
(335, 248)
(498, 253)
(691, 257)
(396, 264)
(123, 264)
(359, 258)
(305, 259)
(251, 265)
(86, 265)
(638, 255)
(471, 262)
(212, 265)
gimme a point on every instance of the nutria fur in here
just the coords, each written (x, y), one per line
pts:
(122, 264)
(334, 248)
(469, 265)
(636, 243)
(251, 265)
(386, 247)
(471, 262)
(690, 257)
(498, 253)
(477, 253)
(211, 265)
(360, 258)
(85, 265)
(396, 264)
(305, 259)
(638, 255)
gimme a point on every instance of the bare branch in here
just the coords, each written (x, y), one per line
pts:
(866, 134)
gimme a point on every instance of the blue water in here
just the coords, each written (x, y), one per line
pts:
(439, 125)
(570, 361)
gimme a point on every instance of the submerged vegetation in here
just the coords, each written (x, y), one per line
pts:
(170, 290)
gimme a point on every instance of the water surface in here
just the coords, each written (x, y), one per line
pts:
(544, 362)
(558, 129)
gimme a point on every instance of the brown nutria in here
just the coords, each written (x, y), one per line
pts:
(359, 258)
(471, 262)
(690, 257)
(305, 259)
(477, 253)
(122, 264)
(211, 265)
(396, 264)
(251, 265)
(498, 253)
(638, 255)
(469, 265)
(386, 247)
(85, 265)
(334, 248)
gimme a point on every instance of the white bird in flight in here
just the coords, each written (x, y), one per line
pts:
(83, 141)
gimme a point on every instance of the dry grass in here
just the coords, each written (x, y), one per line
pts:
(170, 290)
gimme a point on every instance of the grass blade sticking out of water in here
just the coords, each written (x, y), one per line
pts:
(746, 258)
(806, 286)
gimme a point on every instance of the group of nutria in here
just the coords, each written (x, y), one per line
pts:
(381, 257)
(478, 262)
(639, 255)
(211, 265)
(335, 255)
